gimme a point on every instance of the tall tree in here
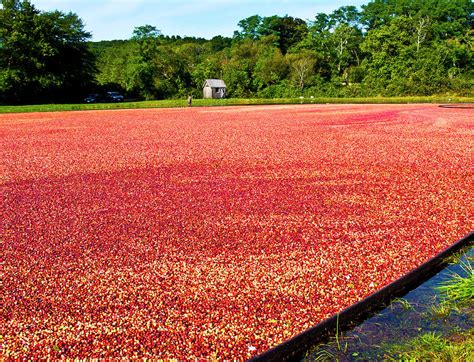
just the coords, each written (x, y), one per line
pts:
(147, 38)
(43, 55)
(271, 66)
(288, 30)
(302, 67)
(336, 39)
(453, 15)
(239, 69)
(249, 28)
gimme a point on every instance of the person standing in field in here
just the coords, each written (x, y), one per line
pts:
(190, 101)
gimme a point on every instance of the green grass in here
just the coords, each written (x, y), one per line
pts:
(460, 288)
(434, 347)
(454, 258)
(457, 292)
(403, 303)
(173, 103)
(443, 310)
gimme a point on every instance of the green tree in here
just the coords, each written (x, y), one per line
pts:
(118, 64)
(147, 38)
(238, 70)
(249, 28)
(288, 30)
(302, 67)
(452, 15)
(271, 66)
(403, 57)
(387, 50)
(43, 55)
(219, 43)
(335, 39)
(345, 42)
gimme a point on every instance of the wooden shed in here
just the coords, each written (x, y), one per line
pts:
(214, 88)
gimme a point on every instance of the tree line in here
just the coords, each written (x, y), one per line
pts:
(386, 47)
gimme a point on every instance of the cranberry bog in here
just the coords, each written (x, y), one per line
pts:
(217, 232)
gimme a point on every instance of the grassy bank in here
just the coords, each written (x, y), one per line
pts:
(173, 103)
(434, 347)
(456, 294)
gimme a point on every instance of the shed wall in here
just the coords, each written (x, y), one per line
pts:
(207, 92)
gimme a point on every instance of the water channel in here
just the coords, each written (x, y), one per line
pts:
(405, 318)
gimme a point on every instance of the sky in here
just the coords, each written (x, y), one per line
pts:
(116, 19)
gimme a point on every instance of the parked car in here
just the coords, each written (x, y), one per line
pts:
(92, 98)
(114, 97)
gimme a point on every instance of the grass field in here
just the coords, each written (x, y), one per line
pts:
(217, 232)
(230, 102)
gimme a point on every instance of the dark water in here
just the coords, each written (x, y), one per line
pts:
(401, 321)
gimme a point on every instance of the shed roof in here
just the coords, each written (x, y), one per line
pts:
(214, 83)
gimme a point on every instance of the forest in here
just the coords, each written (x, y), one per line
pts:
(386, 48)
